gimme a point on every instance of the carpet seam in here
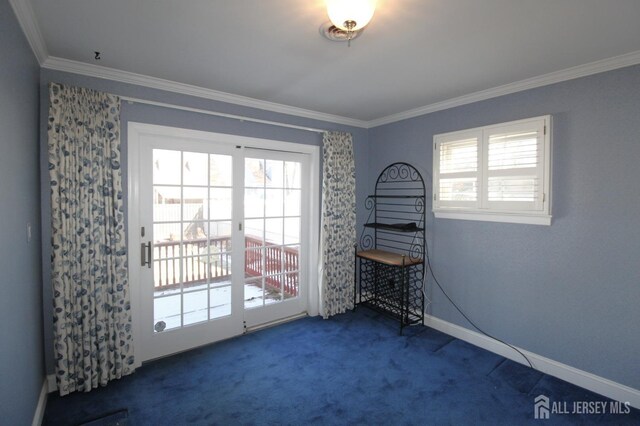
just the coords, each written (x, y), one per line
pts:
(537, 383)
(497, 365)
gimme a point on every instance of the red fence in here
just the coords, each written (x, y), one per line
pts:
(201, 263)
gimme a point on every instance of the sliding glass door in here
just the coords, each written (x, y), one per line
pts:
(222, 240)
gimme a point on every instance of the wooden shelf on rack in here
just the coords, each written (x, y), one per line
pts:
(388, 258)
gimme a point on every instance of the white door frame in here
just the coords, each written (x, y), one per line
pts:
(138, 130)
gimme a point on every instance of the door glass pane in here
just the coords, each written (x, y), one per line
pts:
(220, 170)
(273, 289)
(192, 213)
(291, 286)
(273, 231)
(195, 273)
(292, 202)
(195, 307)
(219, 302)
(254, 202)
(220, 236)
(274, 202)
(253, 293)
(166, 258)
(166, 275)
(254, 175)
(253, 262)
(166, 167)
(273, 261)
(254, 232)
(165, 233)
(220, 203)
(196, 203)
(274, 174)
(195, 168)
(166, 312)
(291, 258)
(219, 266)
(292, 230)
(292, 175)
(167, 203)
(194, 239)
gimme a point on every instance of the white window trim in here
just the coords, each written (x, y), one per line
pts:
(481, 211)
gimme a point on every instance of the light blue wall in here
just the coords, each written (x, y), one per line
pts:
(21, 360)
(176, 118)
(571, 291)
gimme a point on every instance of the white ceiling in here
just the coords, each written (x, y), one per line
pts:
(414, 52)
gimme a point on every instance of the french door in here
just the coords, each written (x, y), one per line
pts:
(223, 237)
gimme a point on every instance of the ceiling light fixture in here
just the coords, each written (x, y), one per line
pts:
(350, 16)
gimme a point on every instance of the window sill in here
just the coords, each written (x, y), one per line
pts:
(485, 216)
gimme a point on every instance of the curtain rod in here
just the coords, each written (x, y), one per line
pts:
(220, 114)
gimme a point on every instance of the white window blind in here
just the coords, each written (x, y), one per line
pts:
(459, 156)
(501, 171)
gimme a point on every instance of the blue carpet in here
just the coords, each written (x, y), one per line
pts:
(352, 369)
(120, 418)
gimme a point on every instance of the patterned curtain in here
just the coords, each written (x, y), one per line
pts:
(338, 224)
(92, 316)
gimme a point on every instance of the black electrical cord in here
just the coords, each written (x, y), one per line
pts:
(463, 314)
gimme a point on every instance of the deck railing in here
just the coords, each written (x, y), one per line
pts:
(281, 265)
(209, 260)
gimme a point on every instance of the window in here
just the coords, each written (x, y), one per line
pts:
(499, 173)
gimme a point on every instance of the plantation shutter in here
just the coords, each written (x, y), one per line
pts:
(458, 170)
(514, 170)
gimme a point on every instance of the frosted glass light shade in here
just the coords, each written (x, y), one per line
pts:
(359, 11)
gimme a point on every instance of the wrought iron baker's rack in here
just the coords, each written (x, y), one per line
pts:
(390, 264)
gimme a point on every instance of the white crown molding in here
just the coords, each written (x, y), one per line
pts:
(91, 70)
(584, 379)
(609, 64)
(27, 19)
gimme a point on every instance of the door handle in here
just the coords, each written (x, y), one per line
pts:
(145, 254)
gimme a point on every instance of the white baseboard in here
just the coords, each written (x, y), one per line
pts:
(42, 404)
(597, 384)
(277, 322)
(52, 385)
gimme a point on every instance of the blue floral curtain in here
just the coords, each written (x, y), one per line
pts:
(338, 224)
(92, 314)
